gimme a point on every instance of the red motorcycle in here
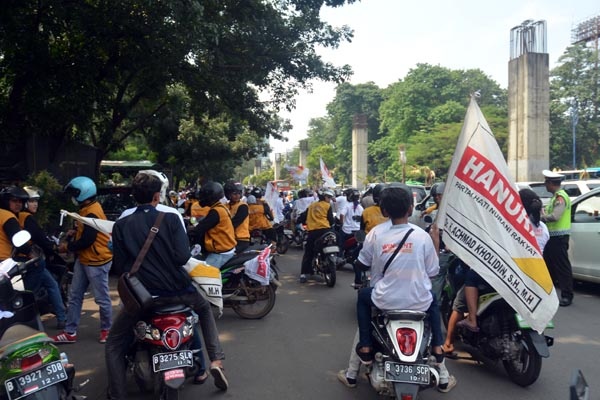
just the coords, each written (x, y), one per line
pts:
(161, 357)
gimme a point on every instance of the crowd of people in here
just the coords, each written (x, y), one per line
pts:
(220, 219)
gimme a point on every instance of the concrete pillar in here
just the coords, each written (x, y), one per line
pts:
(277, 166)
(359, 150)
(257, 166)
(303, 152)
(529, 116)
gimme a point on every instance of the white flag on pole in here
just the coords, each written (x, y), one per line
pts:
(486, 225)
(326, 175)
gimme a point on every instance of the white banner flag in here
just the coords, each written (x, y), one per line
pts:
(326, 175)
(101, 225)
(486, 225)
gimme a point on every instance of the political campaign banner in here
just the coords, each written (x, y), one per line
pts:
(485, 224)
(326, 175)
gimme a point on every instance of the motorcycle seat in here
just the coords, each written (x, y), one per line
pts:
(170, 309)
(17, 334)
(405, 314)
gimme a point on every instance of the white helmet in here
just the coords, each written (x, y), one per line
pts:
(163, 179)
(33, 192)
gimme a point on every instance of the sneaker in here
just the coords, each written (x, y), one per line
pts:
(65, 338)
(302, 278)
(349, 382)
(446, 387)
(103, 335)
(60, 325)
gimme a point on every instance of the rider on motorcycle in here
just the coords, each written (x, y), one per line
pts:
(239, 215)
(11, 202)
(372, 215)
(261, 216)
(319, 219)
(401, 282)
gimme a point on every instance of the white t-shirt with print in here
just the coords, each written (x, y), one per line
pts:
(406, 283)
(350, 225)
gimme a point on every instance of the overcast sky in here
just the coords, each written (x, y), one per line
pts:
(393, 36)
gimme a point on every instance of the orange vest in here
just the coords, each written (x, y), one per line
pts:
(98, 253)
(221, 237)
(6, 245)
(257, 217)
(242, 231)
(372, 217)
(316, 215)
(198, 211)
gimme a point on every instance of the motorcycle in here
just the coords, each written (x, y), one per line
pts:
(248, 297)
(295, 237)
(31, 366)
(325, 259)
(402, 364)
(503, 334)
(350, 248)
(257, 237)
(161, 358)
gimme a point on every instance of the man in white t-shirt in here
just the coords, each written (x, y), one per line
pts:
(406, 283)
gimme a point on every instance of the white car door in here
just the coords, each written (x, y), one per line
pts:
(585, 238)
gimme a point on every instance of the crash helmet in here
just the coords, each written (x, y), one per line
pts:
(163, 180)
(232, 187)
(210, 193)
(437, 188)
(347, 192)
(377, 192)
(323, 192)
(256, 192)
(80, 188)
(251, 199)
(11, 192)
(353, 196)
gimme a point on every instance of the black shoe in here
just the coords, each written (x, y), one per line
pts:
(565, 301)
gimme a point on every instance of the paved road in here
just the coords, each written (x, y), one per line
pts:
(296, 351)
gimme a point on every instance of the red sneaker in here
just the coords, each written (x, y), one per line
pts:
(103, 335)
(65, 338)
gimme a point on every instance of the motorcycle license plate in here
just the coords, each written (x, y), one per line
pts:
(331, 249)
(407, 373)
(34, 381)
(171, 360)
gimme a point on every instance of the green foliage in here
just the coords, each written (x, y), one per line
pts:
(51, 201)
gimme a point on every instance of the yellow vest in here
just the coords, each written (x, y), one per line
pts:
(198, 211)
(257, 218)
(242, 231)
(221, 237)
(98, 253)
(372, 217)
(316, 215)
(5, 242)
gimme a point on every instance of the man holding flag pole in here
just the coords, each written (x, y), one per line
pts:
(486, 225)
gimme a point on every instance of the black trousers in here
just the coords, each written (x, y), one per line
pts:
(557, 259)
(309, 250)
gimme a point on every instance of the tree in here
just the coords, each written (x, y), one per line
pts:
(574, 91)
(100, 71)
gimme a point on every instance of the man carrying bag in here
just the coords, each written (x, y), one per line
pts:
(161, 273)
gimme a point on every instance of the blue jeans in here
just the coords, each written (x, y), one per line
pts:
(38, 277)
(217, 259)
(363, 314)
(97, 278)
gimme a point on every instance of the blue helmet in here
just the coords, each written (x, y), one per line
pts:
(81, 188)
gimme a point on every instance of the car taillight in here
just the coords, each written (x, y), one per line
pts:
(405, 396)
(407, 340)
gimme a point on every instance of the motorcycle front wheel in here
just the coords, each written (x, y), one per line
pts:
(525, 368)
(260, 301)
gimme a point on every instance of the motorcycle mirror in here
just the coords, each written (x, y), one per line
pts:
(360, 236)
(428, 219)
(579, 388)
(20, 238)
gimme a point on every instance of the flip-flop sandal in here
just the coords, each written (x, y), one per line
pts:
(200, 379)
(466, 325)
(219, 377)
(365, 357)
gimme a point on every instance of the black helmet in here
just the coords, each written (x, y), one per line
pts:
(377, 192)
(437, 188)
(12, 192)
(256, 192)
(232, 187)
(354, 195)
(210, 193)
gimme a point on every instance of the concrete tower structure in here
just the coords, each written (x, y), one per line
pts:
(303, 152)
(359, 150)
(528, 102)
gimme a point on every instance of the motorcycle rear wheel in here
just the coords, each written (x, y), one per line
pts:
(256, 308)
(283, 243)
(169, 393)
(329, 274)
(526, 369)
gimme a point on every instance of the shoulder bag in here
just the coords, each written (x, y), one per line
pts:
(134, 295)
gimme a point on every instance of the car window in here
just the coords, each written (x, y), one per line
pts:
(587, 210)
(593, 185)
(540, 190)
(571, 189)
